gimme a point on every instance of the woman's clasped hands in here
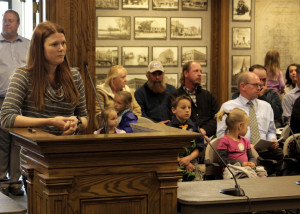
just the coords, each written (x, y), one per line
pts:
(67, 124)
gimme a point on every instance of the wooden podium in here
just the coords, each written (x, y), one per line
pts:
(132, 173)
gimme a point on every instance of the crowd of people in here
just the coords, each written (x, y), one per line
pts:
(43, 91)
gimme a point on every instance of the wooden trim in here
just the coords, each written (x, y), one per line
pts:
(219, 74)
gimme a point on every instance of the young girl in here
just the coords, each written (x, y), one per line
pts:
(233, 147)
(181, 108)
(123, 100)
(275, 79)
(110, 118)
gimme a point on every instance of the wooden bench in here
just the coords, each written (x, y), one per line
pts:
(9, 206)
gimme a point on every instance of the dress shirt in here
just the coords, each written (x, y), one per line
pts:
(289, 100)
(264, 116)
(12, 56)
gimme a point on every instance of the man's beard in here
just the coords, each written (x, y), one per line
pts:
(157, 87)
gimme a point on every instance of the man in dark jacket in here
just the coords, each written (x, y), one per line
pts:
(153, 95)
(204, 104)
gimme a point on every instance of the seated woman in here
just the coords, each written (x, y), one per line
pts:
(114, 83)
(46, 93)
(291, 77)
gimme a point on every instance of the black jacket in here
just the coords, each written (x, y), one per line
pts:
(204, 114)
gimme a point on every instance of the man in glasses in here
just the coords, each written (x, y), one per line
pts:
(13, 50)
(261, 116)
(266, 94)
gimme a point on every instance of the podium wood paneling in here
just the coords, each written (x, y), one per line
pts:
(117, 173)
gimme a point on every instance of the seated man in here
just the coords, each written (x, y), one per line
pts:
(290, 98)
(204, 105)
(266, 94)
(260, 113)
(153, 95)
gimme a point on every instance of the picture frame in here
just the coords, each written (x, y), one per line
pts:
(135, 4)
(241, 38)
(107, 56)
(135, 56)
(186, 28)
(194, 5)
(100, 78)
(172, 79)
(150, 27)
(135, 81)
(241, 10)
(107, 4)
(167, 55)
(194, 53)
(165, 5)
(240, 64)
(204, 80)
(113, 27)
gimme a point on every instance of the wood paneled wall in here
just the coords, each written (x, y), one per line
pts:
(219, 74)
(79, 20)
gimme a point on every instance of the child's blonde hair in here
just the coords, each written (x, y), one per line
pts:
(272, 63)
(233, 118)
(126, 97)
(176, 100)
(104, 116)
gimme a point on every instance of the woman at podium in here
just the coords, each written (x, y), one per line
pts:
(46, 93)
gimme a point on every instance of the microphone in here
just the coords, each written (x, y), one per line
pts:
(237, 190)
(85, 63)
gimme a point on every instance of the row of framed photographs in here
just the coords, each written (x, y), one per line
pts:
(139, 56)
(134, 81)
(119, 27)
(156, 4)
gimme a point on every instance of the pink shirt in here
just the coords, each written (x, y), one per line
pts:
(235, 150)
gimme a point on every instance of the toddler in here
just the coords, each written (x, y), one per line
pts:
(123, 100)
(109, 119)
(233, 147)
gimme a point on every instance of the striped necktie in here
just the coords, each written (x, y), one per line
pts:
(255, 136)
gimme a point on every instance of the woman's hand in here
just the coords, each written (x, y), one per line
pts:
(66, 124)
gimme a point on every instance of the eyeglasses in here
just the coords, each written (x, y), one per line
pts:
(255, 85)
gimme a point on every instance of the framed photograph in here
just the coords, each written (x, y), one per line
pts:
(194, 4)
(241, 38)
(106, 56)
(186, 28)
(168, 56)
(165, 4)
(240, 64)
(117, 27)
(204, 80)
(135, 81)
(135, 4)
(150, 28)
(241, 10)
(135, 56)
(107, 4)
(198, 54)
(171, 79)
(100, 78)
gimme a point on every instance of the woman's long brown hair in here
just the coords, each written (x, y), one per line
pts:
(36, 62)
